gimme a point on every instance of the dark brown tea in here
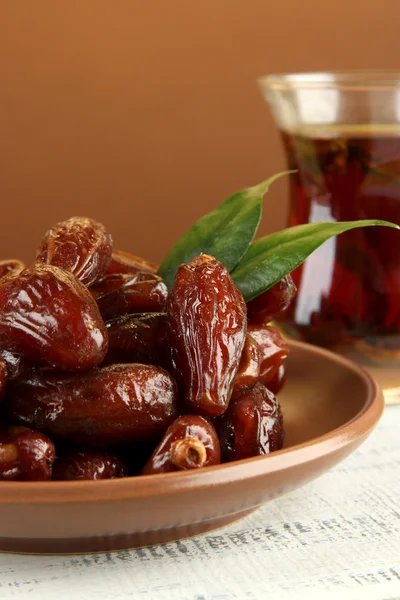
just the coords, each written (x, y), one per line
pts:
(349, 290)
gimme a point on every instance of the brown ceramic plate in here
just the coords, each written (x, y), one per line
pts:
(330, 405)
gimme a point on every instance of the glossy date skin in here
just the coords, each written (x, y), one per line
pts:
(207, 327)
(272, 303)
(107, 406)
(190, 442)
(110, 283)
(49, 317)
(25, 455)
(278, 381)
(12, 266)
(3, 378)
(123, 262)
(141, 338)
(272, 348)
(251, 426)
(249, 366)
(15, 364)
(141, 292)
(79, 245)
(89, 465)
(262, 360)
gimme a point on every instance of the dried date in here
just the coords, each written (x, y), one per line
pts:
(249, 366)
(3, 377)
(141, 338)
(278, 381)
(88, 464)
(25, 455)
(251, 426)
(272, 348)
(12, 266)
(15, 363)
(272, 303)
(112, 405)
(48, 316)
(142, 292)
(190, 442)
(79, 245)
(123, 262)
(207, 319)
(110, 283)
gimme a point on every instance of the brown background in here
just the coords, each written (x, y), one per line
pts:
(146, 114)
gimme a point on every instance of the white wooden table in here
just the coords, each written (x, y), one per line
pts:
(338, 537)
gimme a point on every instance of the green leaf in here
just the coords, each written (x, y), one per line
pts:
(225, 233)
(272, 257)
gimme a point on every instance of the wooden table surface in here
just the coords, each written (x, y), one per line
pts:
(338, 537)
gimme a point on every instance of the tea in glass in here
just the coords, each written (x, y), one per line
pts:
(341, 132)
(349, 293)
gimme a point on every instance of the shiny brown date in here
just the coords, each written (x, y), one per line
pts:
(207, 318)
(278, 381)
(272, 348)
(88, 464)
(190, 442)
(15, 363)
(141, 338)
(110, 283)
(123, 262)
(113, 405)
(272, 303)
(12, 266)
(79, 245)
(249, 366)
(48, 316)
(3, 377)
(142, 292)
(251, 426)
(25, 455)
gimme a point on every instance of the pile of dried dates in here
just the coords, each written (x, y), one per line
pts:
(105, 372)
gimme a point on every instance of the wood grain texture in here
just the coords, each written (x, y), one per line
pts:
(336, 538)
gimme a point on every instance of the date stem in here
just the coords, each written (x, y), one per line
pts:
(189, 453)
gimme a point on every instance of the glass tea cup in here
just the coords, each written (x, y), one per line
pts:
(341, 132)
